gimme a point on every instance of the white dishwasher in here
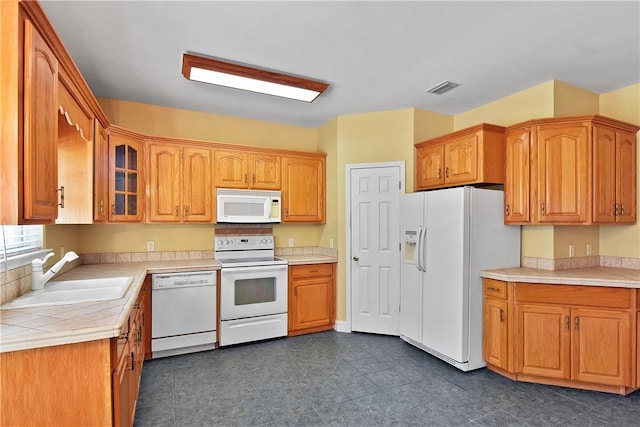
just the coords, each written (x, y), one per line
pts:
(183, 316)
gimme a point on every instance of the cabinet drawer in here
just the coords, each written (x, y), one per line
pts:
(495, 288)
(311, 270)
(567, 295)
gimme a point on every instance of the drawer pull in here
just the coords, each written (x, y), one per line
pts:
(491, 288)
(136, 305)
(313, 271)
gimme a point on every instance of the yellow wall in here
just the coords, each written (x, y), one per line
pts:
(535, 102)
(579, 237)
(569, 100)
(173, 122)
(622, 240)
(328, 143)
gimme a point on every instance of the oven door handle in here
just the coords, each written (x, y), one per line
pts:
(254, 269)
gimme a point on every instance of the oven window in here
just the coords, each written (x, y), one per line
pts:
(255, 291)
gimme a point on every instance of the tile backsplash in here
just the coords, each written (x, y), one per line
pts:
(581, 262)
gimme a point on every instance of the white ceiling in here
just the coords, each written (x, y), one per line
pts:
(376, 55)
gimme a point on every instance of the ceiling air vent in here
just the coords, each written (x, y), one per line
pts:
(443, 87)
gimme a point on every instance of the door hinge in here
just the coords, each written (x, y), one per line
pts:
(400, 246)
(399, 307)
(399, 185)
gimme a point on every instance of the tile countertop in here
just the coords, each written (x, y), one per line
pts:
(308, 259)
(26, 328)
(589, 276)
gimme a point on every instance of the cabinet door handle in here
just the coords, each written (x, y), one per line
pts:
(567, 322)
(446, 172)
(577, 323)
(616, 206)
(542, 208)
(439, 173)
(186, 211)
(176, 211)
(245, 178)
(286, 212)
(100, 206)
(254, 178)
(113, 208)
(501, 315)
(61, 190)
(133, 361)
(621, 209)
(506, 210)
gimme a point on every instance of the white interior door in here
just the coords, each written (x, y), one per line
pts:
(375, 249)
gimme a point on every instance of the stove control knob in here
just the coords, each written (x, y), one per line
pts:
(220, 242)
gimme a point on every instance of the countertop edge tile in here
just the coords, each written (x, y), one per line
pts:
(308, 259)
(588, 276)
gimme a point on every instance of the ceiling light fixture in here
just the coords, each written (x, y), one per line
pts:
(443, 87)
(236, 76)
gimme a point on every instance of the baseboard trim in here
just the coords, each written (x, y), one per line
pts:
(341, 326)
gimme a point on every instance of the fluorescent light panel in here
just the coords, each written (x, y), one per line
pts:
(221, 73)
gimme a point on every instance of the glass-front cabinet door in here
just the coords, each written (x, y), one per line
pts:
(125, 176)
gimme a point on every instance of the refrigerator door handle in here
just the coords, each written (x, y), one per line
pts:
(423, 250)
(419, 250)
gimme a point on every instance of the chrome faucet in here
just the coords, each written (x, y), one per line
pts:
(38, 278)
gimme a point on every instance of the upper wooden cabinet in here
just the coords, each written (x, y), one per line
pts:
(303, 190)
(571, 170)
(246, 169)
(100, 174)
(517, 183)
(563, 160)
(470, 156)
(179, 181)
(126, 175)
(46, 109)
(614, 168)
(40, 128)
(75, 156)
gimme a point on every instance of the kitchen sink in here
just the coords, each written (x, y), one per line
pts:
(72, 292)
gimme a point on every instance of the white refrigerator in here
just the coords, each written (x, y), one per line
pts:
(449, 235)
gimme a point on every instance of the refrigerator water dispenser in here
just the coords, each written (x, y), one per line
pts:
(410, 246)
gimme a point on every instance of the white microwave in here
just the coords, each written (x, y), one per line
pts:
(248, 206)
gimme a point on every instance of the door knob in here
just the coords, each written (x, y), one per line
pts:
(356, 258)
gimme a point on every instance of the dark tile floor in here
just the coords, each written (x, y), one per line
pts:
(355, 379)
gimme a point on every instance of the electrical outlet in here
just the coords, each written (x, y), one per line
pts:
(589, 249)
(331, 243)
(572, 251)
(151, 246)
(290, 243)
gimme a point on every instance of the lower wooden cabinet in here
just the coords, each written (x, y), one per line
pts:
(575, 336)
(496, 324)
(92, 383)
(311, 298)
